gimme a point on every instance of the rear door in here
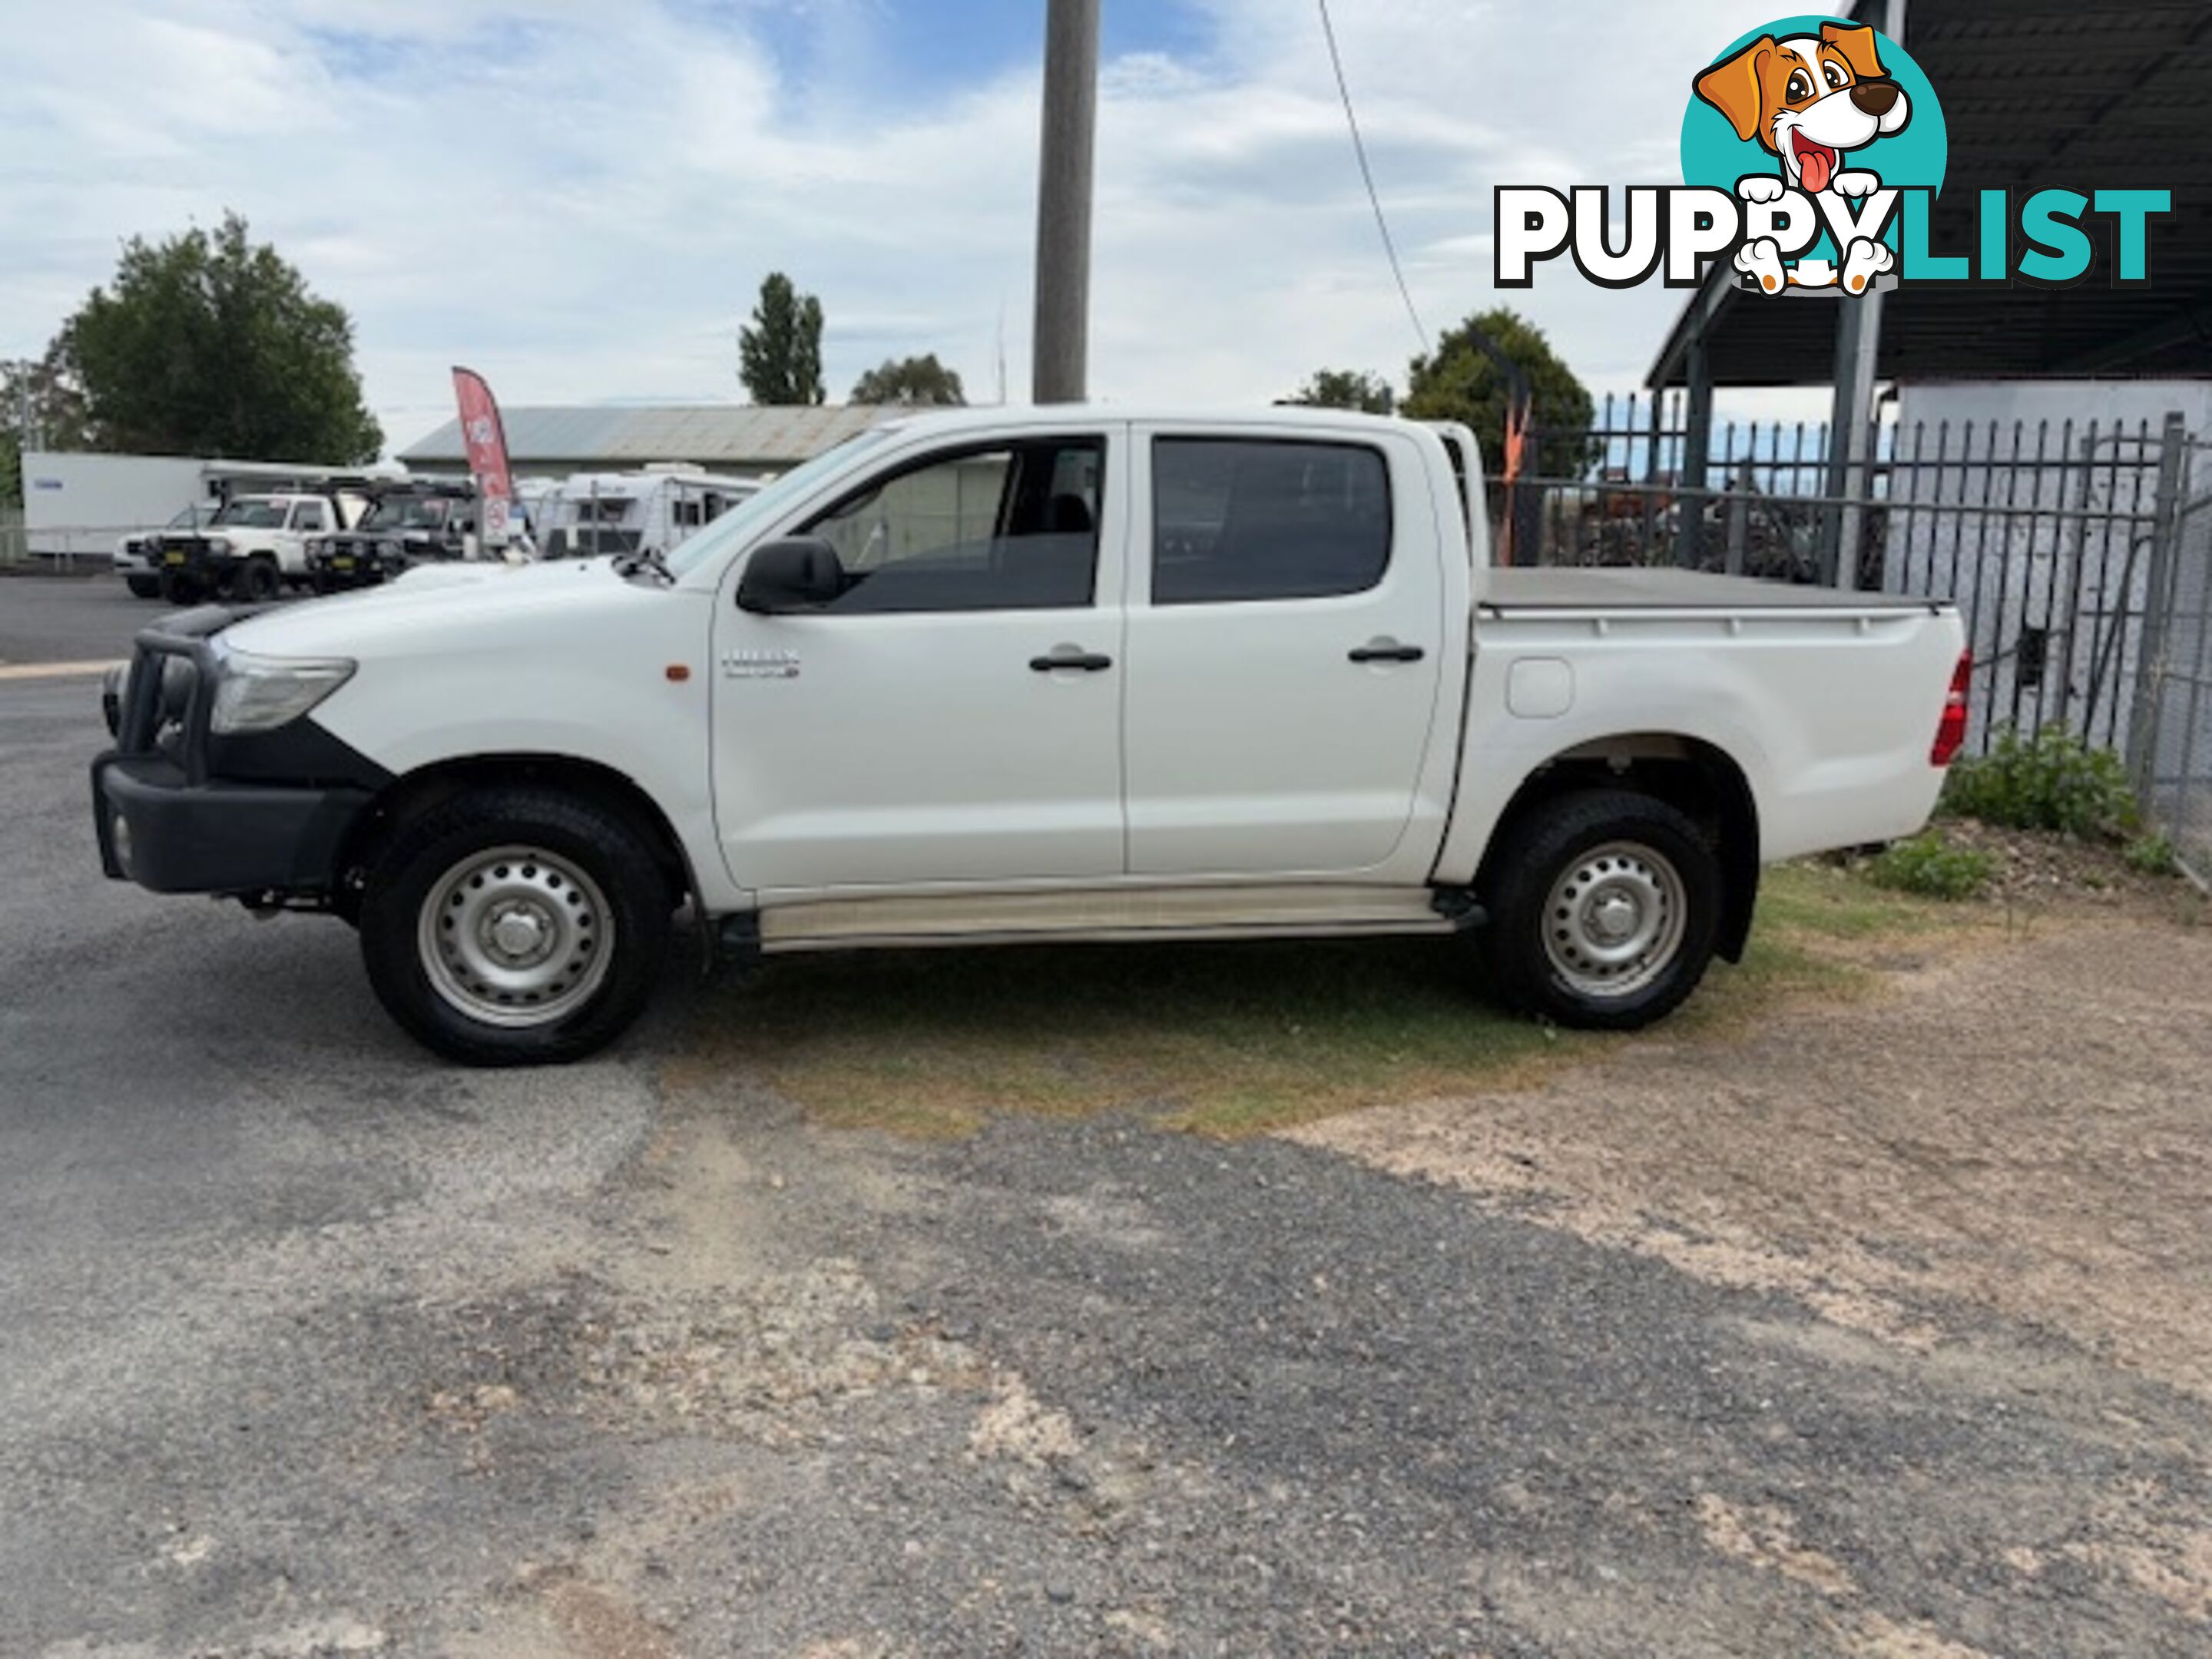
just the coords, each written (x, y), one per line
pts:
(1285, 645)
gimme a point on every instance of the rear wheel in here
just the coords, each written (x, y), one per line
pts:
(1603, 910)
(515, 928)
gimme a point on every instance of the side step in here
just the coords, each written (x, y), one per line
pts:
(1126, 914)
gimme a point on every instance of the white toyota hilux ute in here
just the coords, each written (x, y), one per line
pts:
(1016, 675)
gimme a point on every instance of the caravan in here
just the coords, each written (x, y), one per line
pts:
(652, 511)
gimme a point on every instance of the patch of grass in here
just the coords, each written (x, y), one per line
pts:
(1930, 866)
(1222, 1039)
(1821, 901)
(2053, 781)
(2152, 855)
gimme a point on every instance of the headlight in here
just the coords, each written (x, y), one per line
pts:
(259, 694)
(218, 544)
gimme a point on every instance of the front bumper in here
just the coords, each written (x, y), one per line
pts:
(178, 809)
(173, 836)
(356, 564)
(192, 555)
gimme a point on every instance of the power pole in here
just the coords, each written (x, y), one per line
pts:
(1060, 342)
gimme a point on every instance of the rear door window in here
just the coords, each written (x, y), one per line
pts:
(1240, 518)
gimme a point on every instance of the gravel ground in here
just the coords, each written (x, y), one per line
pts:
(1879, 1330)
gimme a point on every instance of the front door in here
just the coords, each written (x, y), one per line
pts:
(1285, 645)
(954, 716)
(308, 519)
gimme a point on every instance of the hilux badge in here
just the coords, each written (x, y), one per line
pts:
(760, 664)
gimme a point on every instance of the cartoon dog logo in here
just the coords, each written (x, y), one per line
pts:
(1809, 99)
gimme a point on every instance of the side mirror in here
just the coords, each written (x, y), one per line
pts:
(800, 573)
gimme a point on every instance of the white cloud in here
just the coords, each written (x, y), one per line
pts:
(580, 199)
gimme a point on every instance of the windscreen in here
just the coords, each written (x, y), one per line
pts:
(253, 515)
(740, 521)
(407, 512)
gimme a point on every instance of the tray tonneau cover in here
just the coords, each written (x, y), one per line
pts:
(1571, 588)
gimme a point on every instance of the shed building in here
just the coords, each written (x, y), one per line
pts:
(742, 438)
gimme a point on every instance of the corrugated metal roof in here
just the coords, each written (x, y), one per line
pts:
(711, 434)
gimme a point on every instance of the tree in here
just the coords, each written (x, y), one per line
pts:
(1459, 382)
(38, 408)
(780, 353)
(206, 344)
(917, 382)
(1346, 388)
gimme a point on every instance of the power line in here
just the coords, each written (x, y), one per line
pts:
(1366, 173)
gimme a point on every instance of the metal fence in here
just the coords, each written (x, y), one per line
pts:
(66, 547)
(73, 549)
(2075, 553)
(2173, 754)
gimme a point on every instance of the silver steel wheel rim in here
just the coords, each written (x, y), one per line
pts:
(1616, 919)
(515, 937)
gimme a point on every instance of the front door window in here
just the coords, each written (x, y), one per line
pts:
(1009, 527)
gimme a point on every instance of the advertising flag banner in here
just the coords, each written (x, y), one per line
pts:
(485, 439)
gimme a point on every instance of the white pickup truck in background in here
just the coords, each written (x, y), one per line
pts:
(253, 547)
(1010, 674)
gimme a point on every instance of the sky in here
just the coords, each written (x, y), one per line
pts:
(580, 198)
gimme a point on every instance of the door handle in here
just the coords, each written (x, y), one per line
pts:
(1386, 649)
(1069, 656)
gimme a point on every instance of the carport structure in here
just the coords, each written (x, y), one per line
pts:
(2084, 94)
(2087, 577)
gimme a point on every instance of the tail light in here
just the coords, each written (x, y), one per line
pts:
(1951, 729)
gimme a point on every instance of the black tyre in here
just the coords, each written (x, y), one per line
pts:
(1604, 907)
(143, 587)
(257, 582)
(182, 587)
(515, 928)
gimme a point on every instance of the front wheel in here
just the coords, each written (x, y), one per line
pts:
(1603, 910)
(182, 587)
(515, 928)
(259, 581)
(144, 588)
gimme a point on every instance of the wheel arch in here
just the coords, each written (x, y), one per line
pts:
(409, 795)
(1698, 777)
